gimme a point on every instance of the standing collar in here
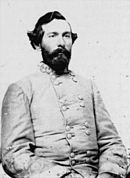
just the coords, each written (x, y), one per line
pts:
(44, 68)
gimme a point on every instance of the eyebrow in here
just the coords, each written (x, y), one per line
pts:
(49, 33)
(69, 32)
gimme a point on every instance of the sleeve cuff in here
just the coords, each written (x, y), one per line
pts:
(112, 169)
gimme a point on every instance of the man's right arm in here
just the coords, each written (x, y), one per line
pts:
(18, 143)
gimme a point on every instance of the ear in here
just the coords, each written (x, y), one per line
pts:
(35, 38)
(74, 37)
(32, 38)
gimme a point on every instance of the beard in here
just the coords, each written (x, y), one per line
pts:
(58, 60)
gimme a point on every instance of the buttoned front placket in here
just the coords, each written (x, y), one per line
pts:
(64, 105)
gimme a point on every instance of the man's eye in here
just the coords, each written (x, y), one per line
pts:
(67, 36)
(52, 36)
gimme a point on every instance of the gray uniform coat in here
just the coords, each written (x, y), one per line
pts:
(56, 125)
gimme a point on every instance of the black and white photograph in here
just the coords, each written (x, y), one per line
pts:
(65, 88)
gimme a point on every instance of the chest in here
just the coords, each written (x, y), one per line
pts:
(64, 101)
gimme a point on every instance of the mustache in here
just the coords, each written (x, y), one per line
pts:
(62, 50)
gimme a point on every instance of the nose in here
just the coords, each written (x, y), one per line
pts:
(61, 42)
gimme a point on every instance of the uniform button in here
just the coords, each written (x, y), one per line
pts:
(9, 148)
(87, 132)
(88, 153)
(69, 136)
(87, 159)
(86, 124)
(72, 155)
(56, 83)
(82, 104)
(73, 162)
(80, 97)
(68, 128)
(64, 108)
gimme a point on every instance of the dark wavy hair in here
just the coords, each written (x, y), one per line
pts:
(35, 36)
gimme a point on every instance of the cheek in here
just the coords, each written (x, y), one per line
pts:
(69, 46)
(49, 46)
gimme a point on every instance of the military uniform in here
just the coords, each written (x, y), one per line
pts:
(57, 126)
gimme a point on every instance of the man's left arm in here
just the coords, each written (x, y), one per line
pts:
(112, 153)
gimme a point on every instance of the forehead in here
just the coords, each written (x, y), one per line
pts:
(56, 25)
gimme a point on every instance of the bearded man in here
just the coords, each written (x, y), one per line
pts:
(54, 122)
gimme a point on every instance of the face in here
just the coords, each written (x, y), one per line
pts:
(56, 44)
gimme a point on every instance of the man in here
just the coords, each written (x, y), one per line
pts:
(54, 122)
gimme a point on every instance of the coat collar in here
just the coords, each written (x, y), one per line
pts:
(44, 68)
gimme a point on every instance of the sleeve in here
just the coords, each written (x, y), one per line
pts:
(128, 172)
(112, 153)
(18, 142)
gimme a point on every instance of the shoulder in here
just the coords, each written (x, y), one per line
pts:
(29, 84)
(33, 80)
